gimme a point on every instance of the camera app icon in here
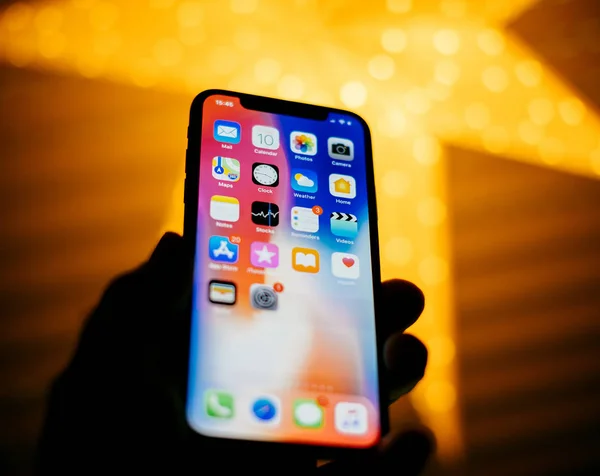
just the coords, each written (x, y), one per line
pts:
(340, 149)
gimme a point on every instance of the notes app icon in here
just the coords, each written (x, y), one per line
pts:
(305, 260)
(224, 208)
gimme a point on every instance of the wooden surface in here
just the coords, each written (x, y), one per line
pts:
(87, 170)
(526, 244)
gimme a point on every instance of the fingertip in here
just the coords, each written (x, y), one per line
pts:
(405, 293)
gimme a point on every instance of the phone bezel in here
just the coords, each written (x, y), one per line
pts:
(191, 194)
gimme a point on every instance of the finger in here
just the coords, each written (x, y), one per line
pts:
(403, 303)
(407, 454)
(405, 359)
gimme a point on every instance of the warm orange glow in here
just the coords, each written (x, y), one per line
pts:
(423, 74)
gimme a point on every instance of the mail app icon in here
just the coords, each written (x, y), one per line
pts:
(227, 131)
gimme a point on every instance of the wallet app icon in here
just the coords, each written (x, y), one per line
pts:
(227, 131)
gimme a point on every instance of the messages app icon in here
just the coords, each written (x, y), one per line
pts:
(227, 131)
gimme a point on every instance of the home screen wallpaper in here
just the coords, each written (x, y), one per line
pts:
(283, 344)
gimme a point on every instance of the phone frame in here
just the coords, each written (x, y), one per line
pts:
(191, 196)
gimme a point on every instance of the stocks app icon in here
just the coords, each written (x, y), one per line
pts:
(264, 213)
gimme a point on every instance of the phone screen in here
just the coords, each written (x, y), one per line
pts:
(283, 342)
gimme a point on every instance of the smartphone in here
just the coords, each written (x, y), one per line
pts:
(280, 212)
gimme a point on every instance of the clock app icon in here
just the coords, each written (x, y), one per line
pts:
(265, 174)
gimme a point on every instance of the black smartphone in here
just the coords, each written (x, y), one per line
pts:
(280, 212)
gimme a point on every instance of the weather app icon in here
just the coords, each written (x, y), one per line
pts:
(304, 181)
(220, 248)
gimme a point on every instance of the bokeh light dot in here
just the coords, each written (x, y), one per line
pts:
(431, 211)
(541, 111)
(17, 16)
(392, 124)
(495, 139)
(399, 6)
(221, 60)
(417, 101)
(529, 132)
(52, 44)
(353, 94)
(191, 36)
(477, 116)
(190, 14)
(247, 39)
(158, 4)
(290, 87)
(495, 79)
(440, 396)
(48, 18)
(433, 270)
(398, 251)
(395, 183)
(106, 43)
(441, 350)
(572, 111)
(168, 52)
(393, 40)
(491, 42)
(529, 73)
(551, 150)
(453, 8)
(103, 15)
(267, 70)
(381, 67)
(427, 150)
(243, 7)
(447, 42)
(447, 71)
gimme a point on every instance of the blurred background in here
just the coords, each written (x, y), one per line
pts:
(486, 133)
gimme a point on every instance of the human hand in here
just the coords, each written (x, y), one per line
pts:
(119, 404)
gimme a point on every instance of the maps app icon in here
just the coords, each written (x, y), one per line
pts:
(226, 169)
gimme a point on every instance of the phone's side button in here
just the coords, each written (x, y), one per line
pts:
(186, 159)
(185, 190)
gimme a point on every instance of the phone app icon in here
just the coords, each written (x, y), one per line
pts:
(304, 181)
(265, 174)
(308, 413)
(303, 143)
(263, 297)
(340, 149)
(265, 213)
(227, 131)
(351, 418)
(226, 169)
(305, 219)
(220, 248)
(305, 260)
(345, 265)
(218, 404)
(264, 255)
(344, 224)
(342, 186)
(265, 137)
(224, 208)
(266, 410)
(221, 292)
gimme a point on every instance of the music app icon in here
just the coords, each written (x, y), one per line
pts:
(351, 418)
